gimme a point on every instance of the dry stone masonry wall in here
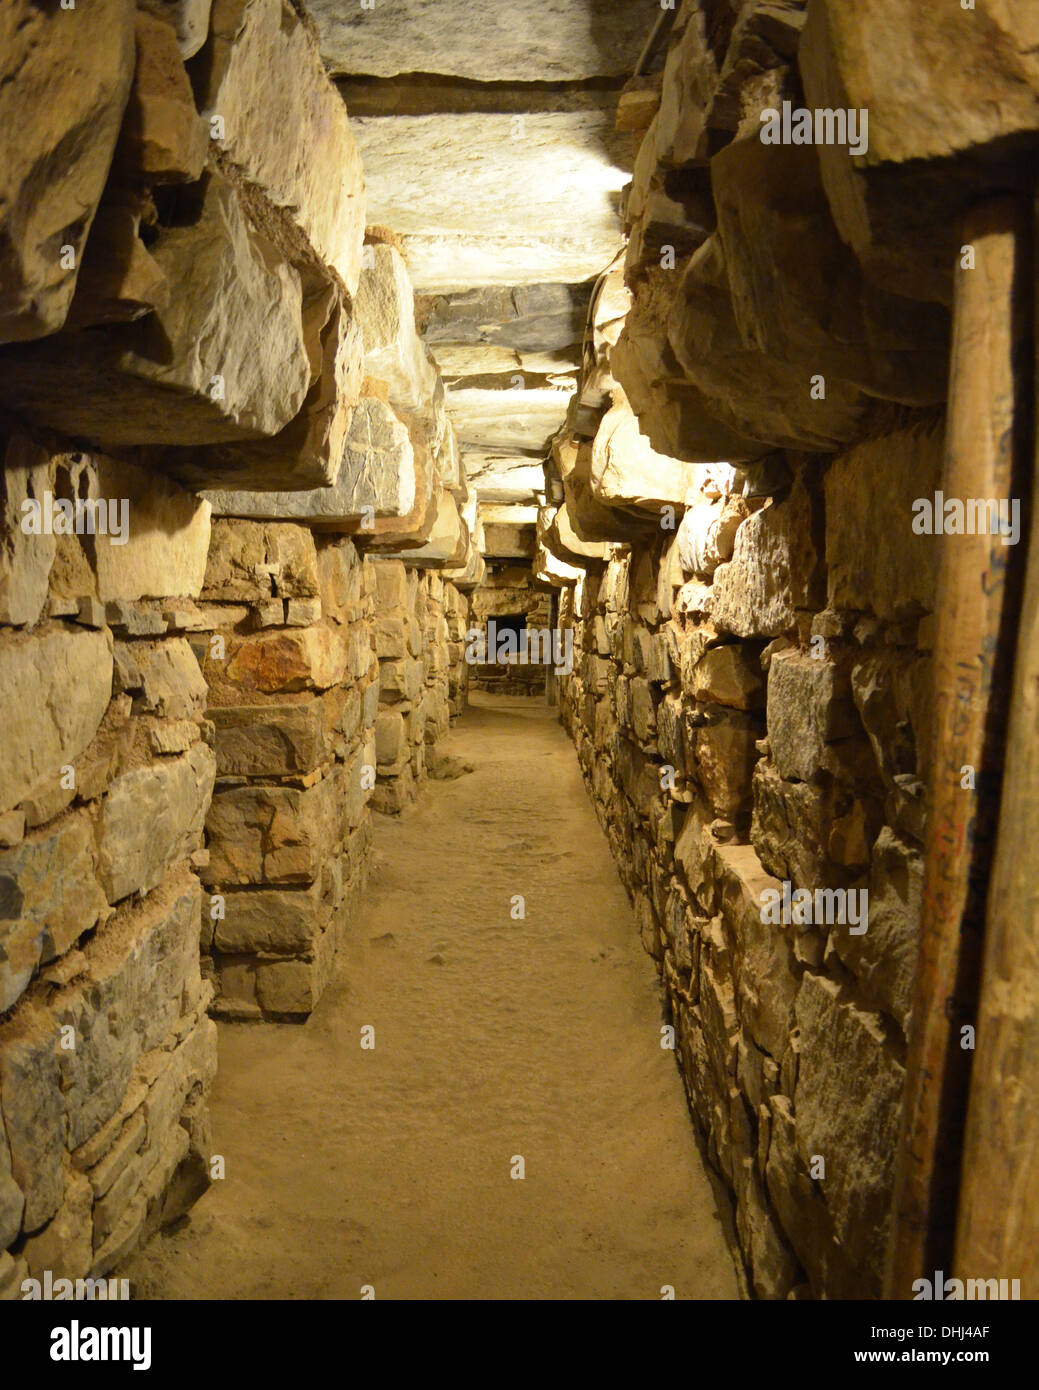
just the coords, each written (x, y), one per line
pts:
(106, 1049)
(292, 700)
(422, 677)
(746, 720)
(213, 404)
(733, 518)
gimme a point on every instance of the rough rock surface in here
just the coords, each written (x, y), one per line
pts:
(553, 40)
(285, 125)
(225, 360)
(62, 117)
(737, 735)
(458, 230)
(55, 685)
(376, 472)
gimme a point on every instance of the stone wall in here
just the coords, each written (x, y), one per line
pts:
(732, 527)
(421, 687)
(755, 718)
(287, 653)
(106, 1050)
(175, 298)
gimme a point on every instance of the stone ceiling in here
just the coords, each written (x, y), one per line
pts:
(488, 139)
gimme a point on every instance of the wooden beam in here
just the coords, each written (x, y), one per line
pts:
(998, 1230)
(986, 453)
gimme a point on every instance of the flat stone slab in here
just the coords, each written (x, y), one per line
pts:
(497, 418)
(506, 217)
(377, 473)
(527, 41)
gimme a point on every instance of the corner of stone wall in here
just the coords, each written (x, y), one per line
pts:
(423, 680)
(287, 654)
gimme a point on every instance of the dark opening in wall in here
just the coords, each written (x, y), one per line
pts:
(508, 672)
(508, 622)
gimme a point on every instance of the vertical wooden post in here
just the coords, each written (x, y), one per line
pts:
(998, 1229)
(978, 606)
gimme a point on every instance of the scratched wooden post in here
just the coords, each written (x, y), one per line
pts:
(998, 1230)
(978, 605)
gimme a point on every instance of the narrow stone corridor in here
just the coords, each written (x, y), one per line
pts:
(494, 1037)
(519, 564)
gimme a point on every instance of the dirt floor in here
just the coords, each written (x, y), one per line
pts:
(494, 1038)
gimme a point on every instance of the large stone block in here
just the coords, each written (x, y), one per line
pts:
(625, 469)
(874, 559)
(33, 1114)
(12, 1203)
(188, 18)
(270, 834)
(448, 542)
(269, 740)
(391, 583)
(557, 534)
(400, 680)
(677, 416)
(754, 394)
(135, 850)
(288, 987)
(172, 686)
(774, 571)
(339, 577)
(393, 796)
(163, 139)
(513, 320)
(801, 1209)
(391, 746)
(273, 921)
(289, 661)
(118, 280)
(884, 958)
(639, 775)
(707, 534)
(729, 675)
(226, 359)
(846, 1108)
(894, 698)
(25, 560)
(54, 689)
(767, 973)
(130, 1001)
(285, 125)
(809, 706)
(534, 41)
(690, 78)
(62, 95)
(376, 479)
(791, 826)
(456, 226)
(393, 351)
(771, 205)
(249, 562)
(49, 896)
(64, 1247)
(164, 555)
(723, 751)
(308, 452)
(953, 102)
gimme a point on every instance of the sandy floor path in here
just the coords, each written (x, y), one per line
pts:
(494, 1038)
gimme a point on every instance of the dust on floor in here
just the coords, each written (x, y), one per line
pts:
(496, 1038)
